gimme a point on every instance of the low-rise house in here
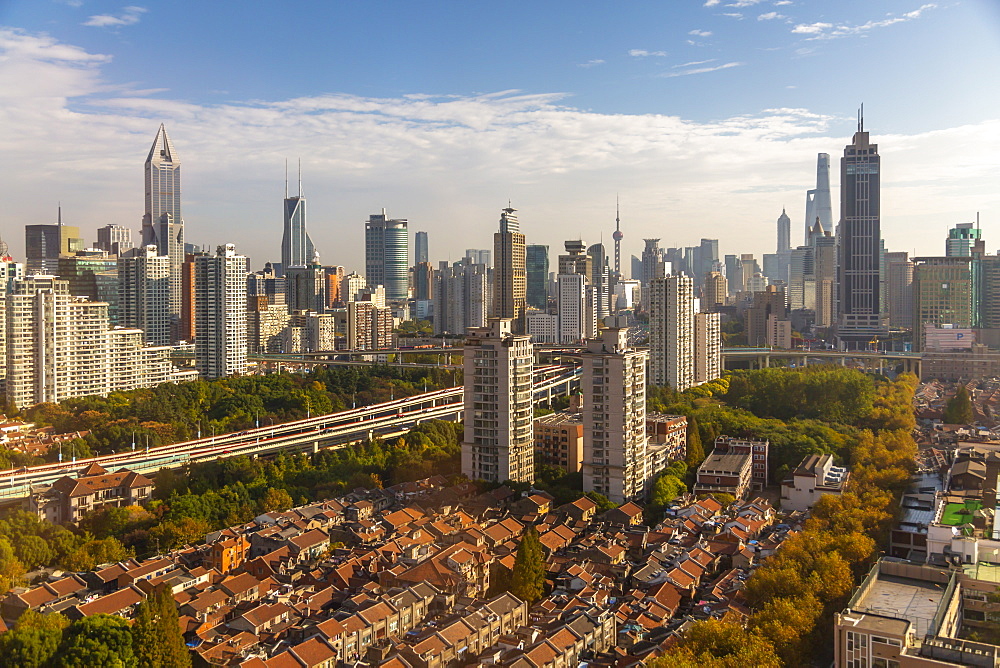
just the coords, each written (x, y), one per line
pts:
(812, 478)
(68, 498)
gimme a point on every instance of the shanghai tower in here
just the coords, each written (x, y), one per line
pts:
(296, 246)
(162, 224)
(818, 200)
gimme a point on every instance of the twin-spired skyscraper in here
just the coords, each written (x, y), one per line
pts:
(296, 247)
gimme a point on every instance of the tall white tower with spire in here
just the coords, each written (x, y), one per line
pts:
(162, 224)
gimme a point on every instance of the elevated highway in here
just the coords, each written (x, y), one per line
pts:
(310, 435)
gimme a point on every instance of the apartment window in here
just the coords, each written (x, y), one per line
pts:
(883, 663)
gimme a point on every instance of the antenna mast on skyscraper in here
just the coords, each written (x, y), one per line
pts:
(286, 178)
(300, 177)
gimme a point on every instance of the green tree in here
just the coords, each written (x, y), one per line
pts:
(959, 408)
(695, 451)
(528, 580)
(156, 636)
(33, 642)
(276, 500)
(98, 640)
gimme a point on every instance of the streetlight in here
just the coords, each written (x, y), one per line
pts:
(256, 419)
(133, 445)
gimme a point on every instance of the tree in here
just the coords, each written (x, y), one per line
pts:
(276, 500)
(959, 408)
(695, 451)
(528, 581)
(98, 640)
(33, 642)
(156, 636)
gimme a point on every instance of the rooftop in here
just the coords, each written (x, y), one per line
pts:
(903, 598)
(956, 514)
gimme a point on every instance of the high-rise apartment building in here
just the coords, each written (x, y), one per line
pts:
(943, 294)
(537, 272)
(162, 224)
(510, 275)
(859, 242)
(387, 254)
(221, 313)
(767, 303)
(114, 239)
(351, 285)
(499, 405)
(144, 293)
(671, 331)
(733, 268)
(423, 281)
(825, 279)
(899, 270)
(715, 291)
(613, 384)
(305, 288)
(60, 346)
(369, 326)
(266, 324)
(185, 326)
(653, 267)
(334, 276)
(420, 252)
(462, 297)
(707, 347)
(577, 319)
(297, 248)
(818, 202)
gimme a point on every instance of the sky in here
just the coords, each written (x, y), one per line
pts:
(702, 117)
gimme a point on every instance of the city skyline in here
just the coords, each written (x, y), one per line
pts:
(427, 149)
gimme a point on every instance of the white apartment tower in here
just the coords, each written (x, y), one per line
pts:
(707, 347)
(144, 293)
(60, 346)
(671, 331)
(576, 307)
(221, 313)
(499, 407)
(614, 417)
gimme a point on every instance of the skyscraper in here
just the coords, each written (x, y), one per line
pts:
(499, 442)
(420, 253)
(162, 224)
(671, 331)
(618, 236)
(818, 203)
(575, 320)
(900, 289)
(600, 280)
(43, 244)
(785, 232)
(943, 295)
(387, 255)
(221, 313)
(537, 270)
(859, 243)
(296, 247)
(510, 276)
(461, 297)
(961, 239)
(614, 417)
(707, 347)
(652, 267)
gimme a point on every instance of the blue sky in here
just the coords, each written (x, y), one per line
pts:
(705, 116)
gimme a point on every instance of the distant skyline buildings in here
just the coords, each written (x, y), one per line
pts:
(387, 254)
(510, 275)
(818, 200)
(420, 249)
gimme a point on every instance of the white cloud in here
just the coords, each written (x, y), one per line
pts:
(734, 15)
(770, 16)
(782, 3)
(642, 53)
(700, 70)
(739, 4)
(711, 3)
(700, 33)
(694, 62)
(831, 31)
(592, 63)
(448, 163)
(129, 16)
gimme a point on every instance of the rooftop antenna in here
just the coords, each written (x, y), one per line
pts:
(861, 118)
(59, 215)
(286, 178)
(300, 177)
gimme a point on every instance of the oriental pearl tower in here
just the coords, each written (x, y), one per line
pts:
(617, 236)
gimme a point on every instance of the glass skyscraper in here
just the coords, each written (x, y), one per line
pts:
(859, 242)
(296, 247)
(536, 264)
(420, 248)
(387, 255)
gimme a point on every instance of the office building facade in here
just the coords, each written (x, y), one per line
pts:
(144, 293)
(387, 255)
(420, 249)
(297, 248)
(537, 275)
(162, 223)
(510, 275)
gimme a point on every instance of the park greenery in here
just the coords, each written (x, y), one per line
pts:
(170, 413)
(863, 422)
